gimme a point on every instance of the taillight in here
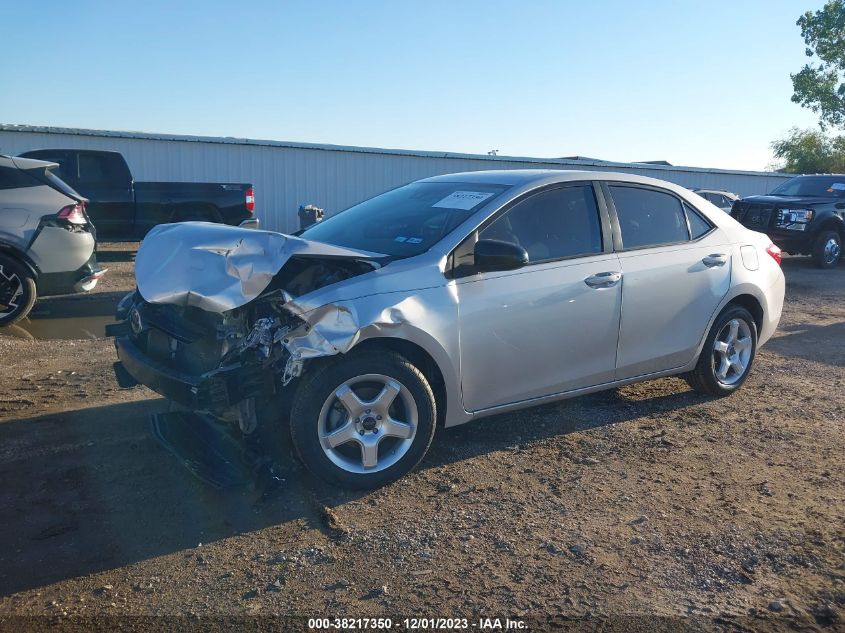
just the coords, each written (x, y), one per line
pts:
(775, 252)
(250, 200)
(74, 213)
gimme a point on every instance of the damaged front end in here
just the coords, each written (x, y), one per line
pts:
(215, 324)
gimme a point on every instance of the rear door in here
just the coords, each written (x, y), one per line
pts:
(552, 325)
(676, 269)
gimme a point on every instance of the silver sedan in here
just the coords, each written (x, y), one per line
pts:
(445, 301)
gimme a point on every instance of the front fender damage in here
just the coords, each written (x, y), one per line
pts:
(250, 295)
(327, 330)
(337, 327)
(261, 285)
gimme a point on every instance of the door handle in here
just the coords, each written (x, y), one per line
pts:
(603, 280)
(717, 259)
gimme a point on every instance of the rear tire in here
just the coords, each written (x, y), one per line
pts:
(17, 290)
(363, 420)
(727, 355)
(827, 249)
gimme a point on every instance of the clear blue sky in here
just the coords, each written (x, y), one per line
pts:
(695, 83)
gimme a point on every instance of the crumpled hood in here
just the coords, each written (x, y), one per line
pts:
(216, 267)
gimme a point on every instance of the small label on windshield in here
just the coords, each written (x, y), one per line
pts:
(462, 200)
(837, 186)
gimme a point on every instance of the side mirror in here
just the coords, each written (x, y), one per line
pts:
(493, 255)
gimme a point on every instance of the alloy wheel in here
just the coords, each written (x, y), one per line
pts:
(832, 250)
(732, 352)
(11, 289)
(367, 423)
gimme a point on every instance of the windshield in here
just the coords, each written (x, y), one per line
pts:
(406, 221)
(822, 186)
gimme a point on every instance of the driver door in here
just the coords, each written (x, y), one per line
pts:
(552, 325)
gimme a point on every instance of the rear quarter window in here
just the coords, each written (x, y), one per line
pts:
(698, 225)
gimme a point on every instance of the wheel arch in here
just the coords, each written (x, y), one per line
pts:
(745, 295)
(833, 223)
(750, 303)
(17, 254)
(421, 359)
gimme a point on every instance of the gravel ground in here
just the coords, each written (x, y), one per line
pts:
(648, 501)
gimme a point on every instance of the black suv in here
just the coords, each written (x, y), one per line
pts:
(803, 216)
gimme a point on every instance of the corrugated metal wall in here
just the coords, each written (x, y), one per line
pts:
(286, 175)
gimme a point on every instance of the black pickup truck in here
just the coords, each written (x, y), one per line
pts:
(803, 216)
(121, 208)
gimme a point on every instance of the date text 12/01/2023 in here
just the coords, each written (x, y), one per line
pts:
(483, 624)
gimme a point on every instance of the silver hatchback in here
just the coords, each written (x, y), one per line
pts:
(444, 301)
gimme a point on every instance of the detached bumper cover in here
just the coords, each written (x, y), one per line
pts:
(217, 390)
(174, 385)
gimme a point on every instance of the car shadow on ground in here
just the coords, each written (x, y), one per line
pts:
(91, 490)
(818, 343)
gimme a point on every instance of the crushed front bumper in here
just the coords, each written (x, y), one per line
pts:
(215, 390)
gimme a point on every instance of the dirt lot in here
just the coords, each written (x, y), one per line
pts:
(647, 501)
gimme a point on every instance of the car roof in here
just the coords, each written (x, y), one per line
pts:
(539, 177)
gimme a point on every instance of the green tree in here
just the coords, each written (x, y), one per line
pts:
(810, 151)
(821, 87)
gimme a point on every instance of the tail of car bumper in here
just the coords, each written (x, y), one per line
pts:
(83, 279)
(773, 308)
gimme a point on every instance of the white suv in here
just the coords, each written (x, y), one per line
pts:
(47, 243)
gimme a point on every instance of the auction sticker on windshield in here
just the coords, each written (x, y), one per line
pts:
(465, 200)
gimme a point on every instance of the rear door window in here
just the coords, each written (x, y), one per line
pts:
(101, 169)
(648, 217)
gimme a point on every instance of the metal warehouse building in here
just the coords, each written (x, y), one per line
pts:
(334, 177)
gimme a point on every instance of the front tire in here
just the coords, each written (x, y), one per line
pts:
(727, 355)
(827, 249)
(17, 290)
(363, 420)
